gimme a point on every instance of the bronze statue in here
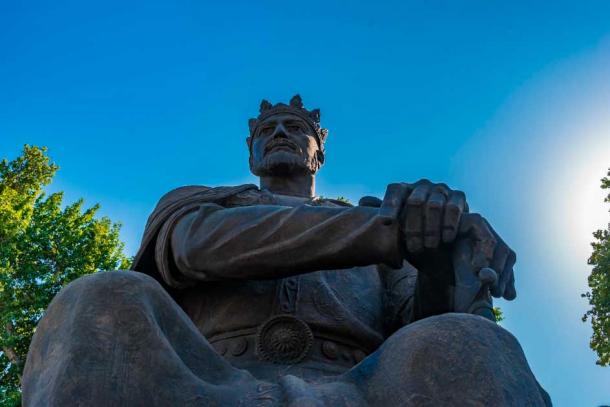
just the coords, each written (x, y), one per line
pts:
(270, 296)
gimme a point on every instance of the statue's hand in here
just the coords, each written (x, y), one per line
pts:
(482, 262)
(442, 239)
(429, 214)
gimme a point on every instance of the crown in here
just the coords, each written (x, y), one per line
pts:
(294, 107)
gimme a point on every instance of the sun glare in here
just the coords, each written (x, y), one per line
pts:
(584, 210)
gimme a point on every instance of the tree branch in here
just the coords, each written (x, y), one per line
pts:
(10, 352)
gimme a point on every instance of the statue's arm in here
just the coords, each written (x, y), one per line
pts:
(261, 242)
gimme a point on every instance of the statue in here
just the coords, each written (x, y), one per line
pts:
(271, 296)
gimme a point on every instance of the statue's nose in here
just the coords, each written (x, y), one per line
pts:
(280, 132)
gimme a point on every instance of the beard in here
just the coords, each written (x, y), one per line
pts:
(279, 163)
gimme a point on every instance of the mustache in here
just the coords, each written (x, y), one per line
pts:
(281, 143)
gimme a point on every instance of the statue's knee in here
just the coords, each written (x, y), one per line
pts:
(89, 317)
(488, 333)
(113, 284)
(104, 304)
(456, 334)
(99, 292)
(458, 350)
(460, 324)
(466, 323)
(468, 344)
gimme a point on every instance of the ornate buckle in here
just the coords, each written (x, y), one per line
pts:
(283, 339)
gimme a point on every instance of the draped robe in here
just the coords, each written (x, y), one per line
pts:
(219, 268)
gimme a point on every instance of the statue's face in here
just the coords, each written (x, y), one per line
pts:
(284, 144)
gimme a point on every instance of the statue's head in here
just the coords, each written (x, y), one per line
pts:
(286, 139)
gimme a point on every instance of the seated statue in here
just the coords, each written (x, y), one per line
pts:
(271, 296)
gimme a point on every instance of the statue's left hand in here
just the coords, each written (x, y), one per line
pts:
(436, 224)
(478, 249)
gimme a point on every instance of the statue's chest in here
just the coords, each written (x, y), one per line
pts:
(338, 297)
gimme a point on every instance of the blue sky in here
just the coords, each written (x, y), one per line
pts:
(508, 101)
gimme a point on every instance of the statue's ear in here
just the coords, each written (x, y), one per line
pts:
(251, 164)
(248, 139)
(320, 155)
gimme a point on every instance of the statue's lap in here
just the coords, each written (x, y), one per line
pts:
(435, 359)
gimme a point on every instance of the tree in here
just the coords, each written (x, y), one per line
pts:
(599, 295)
(42, 248)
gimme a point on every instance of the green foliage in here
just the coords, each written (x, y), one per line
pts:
(343, 199)
(339, 199)
(498, 314)
(42, 248)
(599, 295)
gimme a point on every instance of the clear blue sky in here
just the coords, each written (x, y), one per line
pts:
(508, 101)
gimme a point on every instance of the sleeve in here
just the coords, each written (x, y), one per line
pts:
(210, 242)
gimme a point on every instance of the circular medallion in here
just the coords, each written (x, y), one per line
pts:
(284, 339)
(239, 347)
(330, 350)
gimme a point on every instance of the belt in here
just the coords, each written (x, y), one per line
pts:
(285, 339)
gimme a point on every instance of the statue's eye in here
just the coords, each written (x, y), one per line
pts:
(265, 131)
(294, 128)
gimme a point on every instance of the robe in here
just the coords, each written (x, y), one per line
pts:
(189, 329)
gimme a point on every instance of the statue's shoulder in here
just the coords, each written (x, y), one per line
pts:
(201, 192)
(180, 193)
(181, 197)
